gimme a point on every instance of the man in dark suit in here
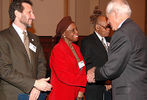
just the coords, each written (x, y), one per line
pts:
(95, 54)
(127, 56)
(22, 69)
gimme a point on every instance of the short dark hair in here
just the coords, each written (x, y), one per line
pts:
(17, 5)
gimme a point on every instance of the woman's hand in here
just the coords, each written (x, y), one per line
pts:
(80, 95)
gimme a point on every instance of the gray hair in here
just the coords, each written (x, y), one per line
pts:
(120, 6)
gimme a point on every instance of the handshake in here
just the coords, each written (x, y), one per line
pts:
(91, 78)
(91, 75)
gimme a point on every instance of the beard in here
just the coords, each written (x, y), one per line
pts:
(25, 22)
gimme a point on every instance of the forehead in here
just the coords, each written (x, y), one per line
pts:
(71, 26)
(101, 19)
(27, 6)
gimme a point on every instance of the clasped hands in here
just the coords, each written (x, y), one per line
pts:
(91, 78)
(91, 75)
(40, 85)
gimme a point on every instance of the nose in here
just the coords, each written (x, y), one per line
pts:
(76, 31)
(33, 16)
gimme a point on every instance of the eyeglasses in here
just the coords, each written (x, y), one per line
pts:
(105, 27)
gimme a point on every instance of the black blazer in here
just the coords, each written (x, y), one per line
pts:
(94, 54)
(17, 73)
(127, 63)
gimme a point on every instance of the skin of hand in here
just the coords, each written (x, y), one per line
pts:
(34, 94)
(91, 75)
(43, 85)
(108, 87)
(80, 95)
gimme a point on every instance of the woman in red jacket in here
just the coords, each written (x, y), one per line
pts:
(68, 71)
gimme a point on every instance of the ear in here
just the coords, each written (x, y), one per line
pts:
(97, 27)
(63, 35)
(17, 13)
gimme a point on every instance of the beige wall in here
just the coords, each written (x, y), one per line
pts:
(82, 16)
(5, 16)
(84, 9)
(138, 10)
(49, 12)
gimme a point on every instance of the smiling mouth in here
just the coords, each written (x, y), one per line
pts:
(76, 36)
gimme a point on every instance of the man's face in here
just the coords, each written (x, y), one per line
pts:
(101, 26)
(112, 20)
(27, 16)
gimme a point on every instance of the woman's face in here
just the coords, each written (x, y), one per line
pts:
(71, 33)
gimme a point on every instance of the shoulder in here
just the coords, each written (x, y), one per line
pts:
(4, 32)
(88, 38)
(58, 48)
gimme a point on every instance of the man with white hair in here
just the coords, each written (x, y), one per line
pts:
(127, 56)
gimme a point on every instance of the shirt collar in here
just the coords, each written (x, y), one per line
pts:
(18, 30)
(121, 23)
(99, 36)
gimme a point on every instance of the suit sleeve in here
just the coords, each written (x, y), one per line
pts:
(64, 70)
(9, 74)
(85, 50)
(118, 55)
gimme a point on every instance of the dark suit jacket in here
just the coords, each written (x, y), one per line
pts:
(127, 63)
(17, 73)
(94, 54)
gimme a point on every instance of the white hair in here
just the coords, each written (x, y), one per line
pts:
(121, 7)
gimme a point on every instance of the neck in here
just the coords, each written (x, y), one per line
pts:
(68, 42)
(20, 25)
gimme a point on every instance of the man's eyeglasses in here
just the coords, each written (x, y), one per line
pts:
(105, 27)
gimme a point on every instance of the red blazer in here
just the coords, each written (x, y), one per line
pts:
(66, 77)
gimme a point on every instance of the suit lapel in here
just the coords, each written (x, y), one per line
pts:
(17, 41)
(20, 46)
(32, 53)
(99, 43)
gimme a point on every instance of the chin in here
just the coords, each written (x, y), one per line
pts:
(75, 39)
